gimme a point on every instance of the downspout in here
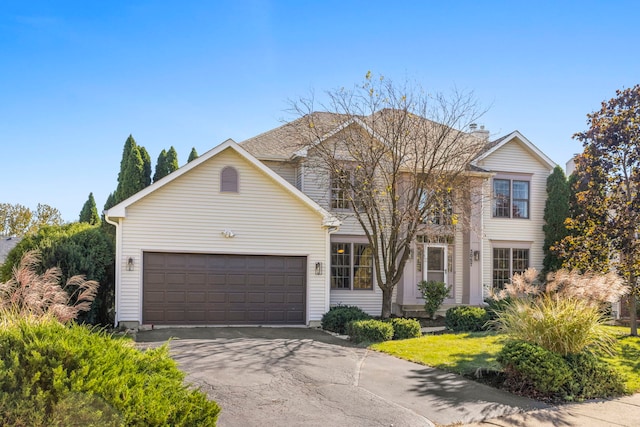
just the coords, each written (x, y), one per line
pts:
(118, 269)
(327, 282)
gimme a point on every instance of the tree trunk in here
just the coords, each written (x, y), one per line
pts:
(633, 315)
(387, 294)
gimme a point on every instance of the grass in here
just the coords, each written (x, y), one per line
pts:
(460, 353)
(465, 353)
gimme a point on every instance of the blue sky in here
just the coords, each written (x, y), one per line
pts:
(77, 77)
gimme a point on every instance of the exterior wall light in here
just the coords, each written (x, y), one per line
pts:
(130, 264)
(318, 268)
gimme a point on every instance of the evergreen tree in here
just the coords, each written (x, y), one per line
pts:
(146, 160)
(131, 178)
(89, 213)
(161, 166)
(556, 211)
(193, 155)
(172, 160)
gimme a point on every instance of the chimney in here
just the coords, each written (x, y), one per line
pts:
(481, 133)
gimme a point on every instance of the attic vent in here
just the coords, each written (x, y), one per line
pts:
(229, 180)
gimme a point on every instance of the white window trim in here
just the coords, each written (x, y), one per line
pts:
(360, 240)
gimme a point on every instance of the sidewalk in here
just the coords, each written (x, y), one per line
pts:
(624, 411)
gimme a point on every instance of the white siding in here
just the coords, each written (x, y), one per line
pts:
(515, 158)
(189, 214)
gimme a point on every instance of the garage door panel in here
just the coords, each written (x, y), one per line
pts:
(196, 296)
(223, 289)
(216, 297)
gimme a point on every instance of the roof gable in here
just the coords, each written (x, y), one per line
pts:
(119, 210)
(514, 136)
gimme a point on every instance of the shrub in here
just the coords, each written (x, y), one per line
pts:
(434, 293)
(76, 249)
(466, 318)
(405, 328)
(52, 373)
(529, 364)
(369, 330)
(563, 325)
(592, 378)
(336, 319)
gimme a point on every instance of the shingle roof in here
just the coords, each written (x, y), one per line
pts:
(282, 142)
(6, 244)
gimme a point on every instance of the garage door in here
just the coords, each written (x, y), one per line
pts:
(199, 289)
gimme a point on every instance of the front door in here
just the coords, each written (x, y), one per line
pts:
(438, 260)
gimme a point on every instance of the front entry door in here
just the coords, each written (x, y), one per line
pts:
(438, 259)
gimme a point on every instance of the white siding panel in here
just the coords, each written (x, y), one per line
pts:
(189, 215)
(515, 158)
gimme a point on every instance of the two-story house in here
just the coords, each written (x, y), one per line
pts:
(250, 234)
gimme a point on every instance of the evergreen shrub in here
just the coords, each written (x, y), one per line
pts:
(55, 374)
(369, 331)
(465, 318)
(336, 319)
(405, 328)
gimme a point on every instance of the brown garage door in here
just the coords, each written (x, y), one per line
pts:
(199, 289)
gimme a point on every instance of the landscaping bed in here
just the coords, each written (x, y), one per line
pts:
(474, 355)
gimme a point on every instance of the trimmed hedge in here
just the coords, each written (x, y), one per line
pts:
(573, 377)
(466, 318)
(592, 378)
(336, 319)
(369, 330)
(531, 364)
(52, 374)
(405, 328)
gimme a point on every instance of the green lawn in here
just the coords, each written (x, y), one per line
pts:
(464, 353)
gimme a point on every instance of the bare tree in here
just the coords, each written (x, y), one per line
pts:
(397, 158)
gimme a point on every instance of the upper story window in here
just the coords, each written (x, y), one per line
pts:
(229, 180)
(340, 189)
(510, 198)
(441, 210)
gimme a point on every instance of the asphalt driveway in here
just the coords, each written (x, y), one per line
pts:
(305, 377)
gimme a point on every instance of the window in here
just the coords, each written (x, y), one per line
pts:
(441, 210)
(506, 263)
(340, 189)
(229, 180)
(351, 266)
(510, 198)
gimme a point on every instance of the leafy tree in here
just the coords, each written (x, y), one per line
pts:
(611, 200)
(161, 166)
(89, 213)
(398, 156)
(76, 249)
(131, 177)
(556, 211)
(18, 221)
(584, 249)
(46, 215)
(172, 160)
(192, 155)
